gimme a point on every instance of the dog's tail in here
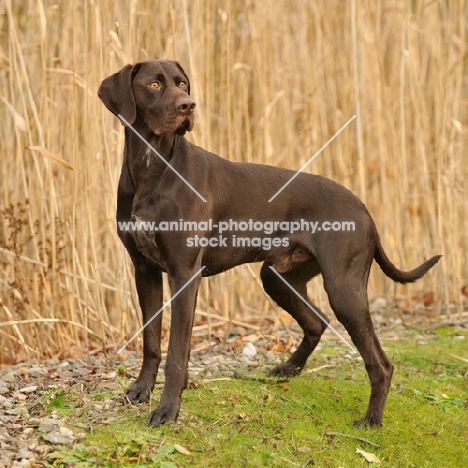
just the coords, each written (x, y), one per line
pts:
(398, 275)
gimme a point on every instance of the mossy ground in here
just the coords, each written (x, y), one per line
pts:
(260, 421)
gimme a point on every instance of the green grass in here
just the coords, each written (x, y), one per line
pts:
(262, 422)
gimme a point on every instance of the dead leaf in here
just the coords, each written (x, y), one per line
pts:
(182, 450)
(49, 155)
(304, 450)
(19, 121)
(278, 347)
(412, 209)
(464, 290)
(428, 299)
(81, 82)
(122, 356)
(289, 344)
(370, 457)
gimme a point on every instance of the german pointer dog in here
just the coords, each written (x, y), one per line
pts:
(185, 183)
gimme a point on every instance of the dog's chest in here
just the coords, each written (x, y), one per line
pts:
(146, 244)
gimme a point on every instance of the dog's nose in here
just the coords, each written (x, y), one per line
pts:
(185, 105)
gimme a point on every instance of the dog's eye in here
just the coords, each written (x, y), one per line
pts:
(154, 85)
(183, 85)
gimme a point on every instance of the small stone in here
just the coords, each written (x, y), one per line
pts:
(8, 403)
(249, 350)
(110, 375)
(51, 362)
(30, 389)
(109, 404)
(378, 303)
(49, 425)
(42, 448)
(21, 464)
(63, 436)
(35, 371)
(9, 377)
(209, 360)
(19, 396)
(32, 445)
(66, 432)
(18, 411)
(24, 453)
(6, 458)
(81, 372)
(272, 357)
(3, 387)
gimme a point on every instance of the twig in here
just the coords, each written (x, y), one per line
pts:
(204, 381)
(275, 380)
(318, 369)
(457, 357)
(224, 319)
(339, 434)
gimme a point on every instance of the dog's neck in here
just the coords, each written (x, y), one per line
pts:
(150, 144)
(148, 160)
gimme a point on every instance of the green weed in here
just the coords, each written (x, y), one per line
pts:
(258, 421)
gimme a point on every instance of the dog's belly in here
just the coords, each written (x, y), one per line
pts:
(282, 259)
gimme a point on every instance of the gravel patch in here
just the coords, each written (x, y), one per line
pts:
(29, 431)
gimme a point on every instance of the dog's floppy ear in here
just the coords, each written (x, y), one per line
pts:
(117, 95)
(186, 76)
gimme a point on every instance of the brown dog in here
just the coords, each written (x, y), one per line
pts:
(214, 195)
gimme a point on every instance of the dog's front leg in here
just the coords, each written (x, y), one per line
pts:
(149, 286)
(176, 372)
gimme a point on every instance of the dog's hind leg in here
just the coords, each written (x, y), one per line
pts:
(290, 301)
(348, 298)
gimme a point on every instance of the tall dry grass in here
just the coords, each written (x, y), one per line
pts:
(273, 81)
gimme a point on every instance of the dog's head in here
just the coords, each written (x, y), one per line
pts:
(154, 93)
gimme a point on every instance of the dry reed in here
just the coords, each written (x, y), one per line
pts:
(273, 81)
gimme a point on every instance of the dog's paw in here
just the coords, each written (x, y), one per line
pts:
(286, 369)
(139, 392)
(364, 422)
(163, 414)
